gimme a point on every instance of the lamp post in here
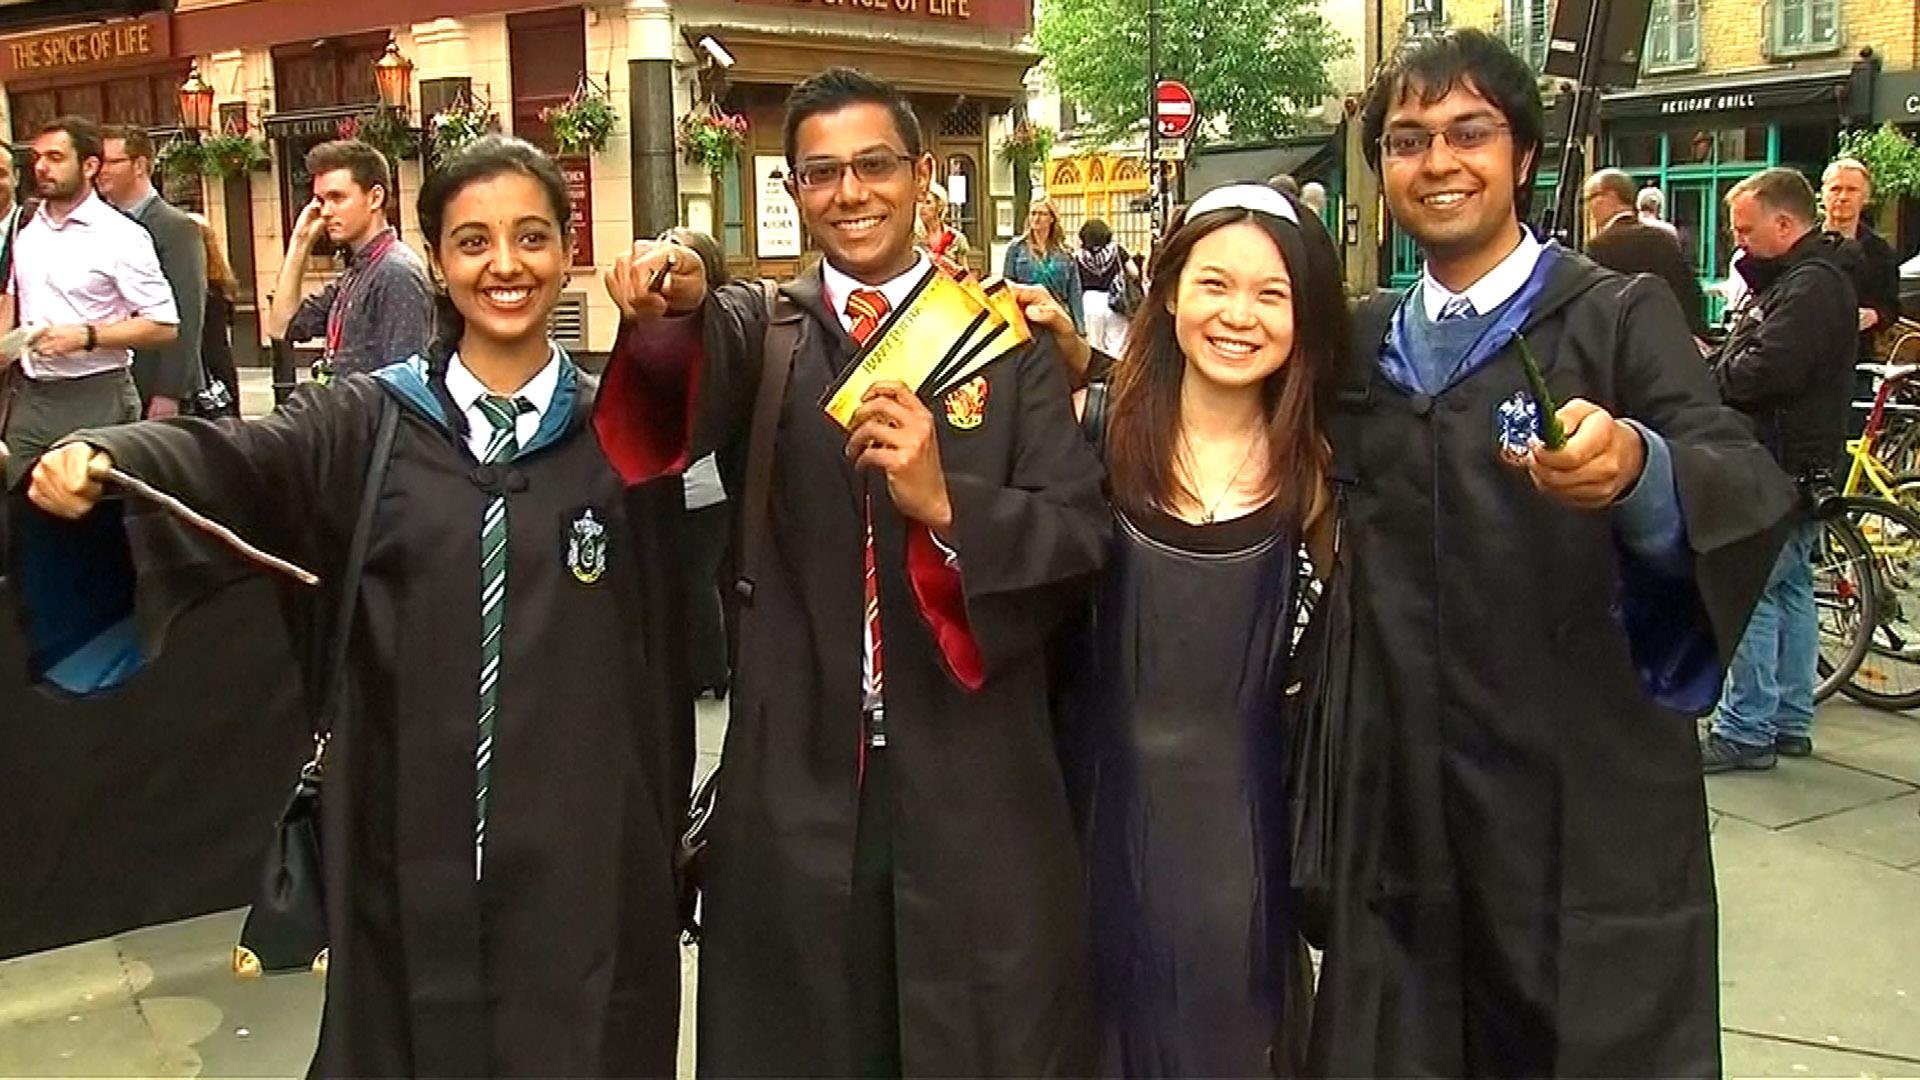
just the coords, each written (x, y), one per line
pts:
(196, 102)
(394, 74)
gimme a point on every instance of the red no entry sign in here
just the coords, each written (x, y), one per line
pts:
(1173, 111)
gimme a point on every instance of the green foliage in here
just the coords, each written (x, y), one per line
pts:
(1892, 158)
(453, 127)
(383, 130)
(233, 154)
(1257, 64)
(711, 139)
(582, 123)
(1027, 143)
(181, 158)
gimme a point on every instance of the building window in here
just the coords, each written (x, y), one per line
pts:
(1069, 115)
(1804, 26)
(1673, 35)
(1526, 22)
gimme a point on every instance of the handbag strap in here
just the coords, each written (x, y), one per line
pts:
(756, 526)
(1093, 417)
(356, 562)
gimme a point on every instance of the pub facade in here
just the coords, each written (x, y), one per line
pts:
(291, 73)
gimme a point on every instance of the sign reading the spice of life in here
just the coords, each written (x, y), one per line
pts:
(86, 48)
(993, 14)
(777, 220)
(1173, 111)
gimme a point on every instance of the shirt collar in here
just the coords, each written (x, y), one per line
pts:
(1494, 288)
(839, 286)
(1624, 215)
(356, 255)
(140, 205)
(86, 213)
(466, 389)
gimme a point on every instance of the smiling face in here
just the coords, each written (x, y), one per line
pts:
(1233, 308)
(1458, 204)
(503, 256)
(863, 219)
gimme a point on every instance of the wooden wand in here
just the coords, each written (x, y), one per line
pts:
(133, 485)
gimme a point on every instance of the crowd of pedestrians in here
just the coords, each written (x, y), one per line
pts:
(1222, 619)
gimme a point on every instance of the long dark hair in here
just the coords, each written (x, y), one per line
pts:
(483, 159)
(1143, 432)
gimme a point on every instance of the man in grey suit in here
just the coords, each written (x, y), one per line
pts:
(167, 377)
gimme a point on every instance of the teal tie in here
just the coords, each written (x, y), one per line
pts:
(502, 413)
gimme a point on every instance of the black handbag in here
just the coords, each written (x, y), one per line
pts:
(1323, 669)
(286, 928)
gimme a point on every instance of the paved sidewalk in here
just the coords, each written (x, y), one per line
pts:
(1818, 864)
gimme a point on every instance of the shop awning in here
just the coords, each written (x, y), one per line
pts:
(1772, 91)
(1303, 158)
(788, 57)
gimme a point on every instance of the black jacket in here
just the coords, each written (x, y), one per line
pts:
(1875, 270)
(1788, 360)
(1634, 247)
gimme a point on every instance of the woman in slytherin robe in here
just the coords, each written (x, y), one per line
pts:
(506, 779)
(1217, 479)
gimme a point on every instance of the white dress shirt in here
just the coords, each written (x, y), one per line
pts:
(97, 267)
(467, 390)
(839, 286)
(1494, 288)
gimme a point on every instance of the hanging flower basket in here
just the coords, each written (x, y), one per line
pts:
(453, 127)
(1027, 143)
(232, 154)
(181, 158)
(383, 130)
(582, 123)
(712, 139)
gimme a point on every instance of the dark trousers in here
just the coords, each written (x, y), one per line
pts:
(705, 532)
(871, 960)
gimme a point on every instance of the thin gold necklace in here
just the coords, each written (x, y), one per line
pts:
(1208, 513)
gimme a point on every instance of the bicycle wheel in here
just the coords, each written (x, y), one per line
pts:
(1889, 675)
(1843, 601)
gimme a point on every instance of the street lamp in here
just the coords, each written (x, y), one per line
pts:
(394, 73)
(196, 101)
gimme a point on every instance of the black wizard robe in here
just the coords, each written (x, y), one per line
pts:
(990, 918)
(563, 961)
(1526, 885)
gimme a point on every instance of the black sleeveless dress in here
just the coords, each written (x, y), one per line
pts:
(1176, 744)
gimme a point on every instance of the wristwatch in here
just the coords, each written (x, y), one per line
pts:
(93, 337)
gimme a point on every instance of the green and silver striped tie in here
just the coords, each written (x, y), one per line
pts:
(503, 413)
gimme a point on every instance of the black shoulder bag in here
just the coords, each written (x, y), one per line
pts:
(756, 527)
(1323, 669)
(286, 929)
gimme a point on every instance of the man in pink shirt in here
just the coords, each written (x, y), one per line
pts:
(87, 285)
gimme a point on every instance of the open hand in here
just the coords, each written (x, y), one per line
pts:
(66, 480)
(1600, 462)
(893, 432)
(641, 290)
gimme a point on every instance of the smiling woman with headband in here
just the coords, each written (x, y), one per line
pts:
(1216, 467)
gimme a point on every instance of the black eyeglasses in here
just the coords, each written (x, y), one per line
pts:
(1463, 136)
(872, 167)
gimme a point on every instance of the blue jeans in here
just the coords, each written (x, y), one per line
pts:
(1769, 690)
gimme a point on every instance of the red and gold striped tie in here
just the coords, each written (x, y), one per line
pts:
(867, 308)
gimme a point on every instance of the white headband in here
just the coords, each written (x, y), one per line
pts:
(1258, 198)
